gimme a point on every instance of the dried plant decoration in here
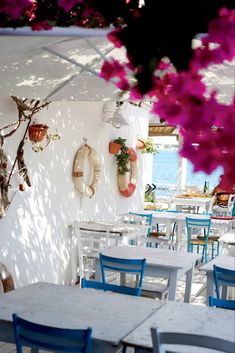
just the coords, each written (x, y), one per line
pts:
(26, 111)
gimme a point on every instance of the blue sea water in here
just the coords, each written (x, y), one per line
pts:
(165, 167)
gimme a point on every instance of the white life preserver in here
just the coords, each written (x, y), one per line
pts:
(78, 170)
(128, 188)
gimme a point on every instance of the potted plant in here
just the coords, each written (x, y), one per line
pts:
(149, 146)
(37, 132)
(122, 156)
(114, 147)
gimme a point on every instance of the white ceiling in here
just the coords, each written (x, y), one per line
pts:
(67, 68)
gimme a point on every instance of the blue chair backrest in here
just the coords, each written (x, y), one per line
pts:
(222, 303)
(148, 218)
(200, 223)
(49, 338)
(224, 277)
(161, 339)
(131, 266)
(110, 287)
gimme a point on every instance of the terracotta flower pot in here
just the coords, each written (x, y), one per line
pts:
(114, 148)
(140, 144)
(37, 132)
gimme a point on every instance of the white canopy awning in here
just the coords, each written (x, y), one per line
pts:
(64, 64)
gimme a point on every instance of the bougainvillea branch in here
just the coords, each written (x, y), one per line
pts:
(207, 126)
(161, 64)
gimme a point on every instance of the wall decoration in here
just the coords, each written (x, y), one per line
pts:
(38, 133)
(86, 152)
(126, 160)
(6, 280)
(146, 146)
(26, 111)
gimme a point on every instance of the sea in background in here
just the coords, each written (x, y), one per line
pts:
(165, 168)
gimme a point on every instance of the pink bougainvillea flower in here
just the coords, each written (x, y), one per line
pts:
(163, 65)
(15, 8)
(123, 84)
(181, 99)
(112, 36)
(135, 93)
(221, 32)
(67, 5)
(112, 69)
(39, 26)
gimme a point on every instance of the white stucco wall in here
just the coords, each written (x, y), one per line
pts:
(34, 233)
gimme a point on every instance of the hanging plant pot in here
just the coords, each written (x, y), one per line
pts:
(114, 147)
(37, 132)
(140, 144)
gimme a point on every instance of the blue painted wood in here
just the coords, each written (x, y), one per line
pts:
(198, 223)
(160, 339)
(38, 336)
(131, 266)
(224, 277)
(110, 287)
(222, 303)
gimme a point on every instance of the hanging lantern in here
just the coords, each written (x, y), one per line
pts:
(37, 132)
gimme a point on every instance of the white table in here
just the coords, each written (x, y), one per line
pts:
(120, 232)
(169, 218)
(203, 202)
(220, 225)
(185, 318)
(227, 241)
(112, 316)
(221, 261)
(159, 263)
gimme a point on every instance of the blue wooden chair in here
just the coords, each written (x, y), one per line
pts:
(160, 339)
(224, 277)
(222, 303)
(49, 338)
(110, 287)
(199, 224)
(123, 266)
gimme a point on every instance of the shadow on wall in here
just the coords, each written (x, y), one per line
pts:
(34, 238)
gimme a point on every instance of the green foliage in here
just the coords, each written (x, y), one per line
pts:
(149, 196)
(149, 146)
(123, 157)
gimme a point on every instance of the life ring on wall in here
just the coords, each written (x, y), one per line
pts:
(6, 279)
(127, 189)
(78, 168)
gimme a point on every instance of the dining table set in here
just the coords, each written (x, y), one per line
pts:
(116, 320)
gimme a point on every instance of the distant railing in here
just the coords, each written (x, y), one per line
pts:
(162, 189)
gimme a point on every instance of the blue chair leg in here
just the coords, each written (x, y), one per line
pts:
(205, 249)
(197, 249)
(212, 251)
(124, 349)
(218, 247)
(203, 253)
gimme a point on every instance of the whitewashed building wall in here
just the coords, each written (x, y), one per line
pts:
(34, 242)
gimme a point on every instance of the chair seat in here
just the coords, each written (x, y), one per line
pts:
(211, 238)
(200, 241)
(157, 234)
(152, 289)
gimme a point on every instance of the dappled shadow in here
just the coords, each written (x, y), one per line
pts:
(34, 238)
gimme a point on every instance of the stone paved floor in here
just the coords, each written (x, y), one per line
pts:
(198, 297)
